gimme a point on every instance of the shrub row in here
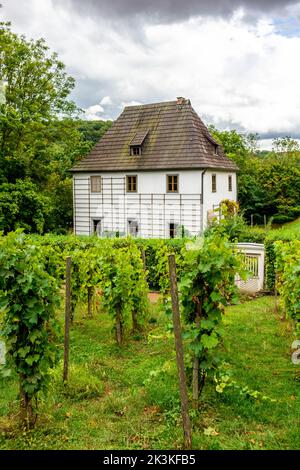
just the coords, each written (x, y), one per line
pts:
(288, 277)
(284, 235)
(153, 248)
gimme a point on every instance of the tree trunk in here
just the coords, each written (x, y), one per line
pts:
(135, 326)
(196, 363)
(67, 318)
(179, 355)
(27, 416)
(118, 326)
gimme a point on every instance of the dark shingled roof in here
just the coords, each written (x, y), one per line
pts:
(172, 135)
(139, 137)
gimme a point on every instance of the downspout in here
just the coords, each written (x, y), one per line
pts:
(202, 196)
(74, 204)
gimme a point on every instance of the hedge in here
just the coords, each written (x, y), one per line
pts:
(285, 235)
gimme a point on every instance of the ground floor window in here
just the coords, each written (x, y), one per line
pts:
(172, 229)
(96, 227)
(133, 227)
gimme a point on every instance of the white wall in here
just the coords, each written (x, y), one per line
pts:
(152, 206)
(211, 199)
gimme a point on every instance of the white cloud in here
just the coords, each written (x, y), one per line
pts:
(236, 74)
(124, 104)
(106, 101)
(266, 144)
(92, 112)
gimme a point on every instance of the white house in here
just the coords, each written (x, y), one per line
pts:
(156, 172)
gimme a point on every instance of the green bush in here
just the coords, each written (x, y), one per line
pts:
(288, 272)
(253, 235)
(285, 235)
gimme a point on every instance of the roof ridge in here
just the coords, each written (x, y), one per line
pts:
(159, 103)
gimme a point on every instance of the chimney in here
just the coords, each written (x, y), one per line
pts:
(181, 100)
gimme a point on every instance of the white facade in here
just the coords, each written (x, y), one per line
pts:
(151, 211)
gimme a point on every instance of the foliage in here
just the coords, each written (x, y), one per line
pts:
(228, 221)
(268, 183)
(253, 234)
(36, 90)
(92, 131)
(137, 416)
(28, 298)
(23, 206)
(288, 272)
(124, 287)
(156, 259)
(162, 266)
(40, 135)
(283, 234)
(206, 286)
(224, 381)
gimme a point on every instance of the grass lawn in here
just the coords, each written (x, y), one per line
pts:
(295, 225)
(127, 398)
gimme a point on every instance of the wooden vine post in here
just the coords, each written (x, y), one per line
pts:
(90, 302)
(196, 361)
(119, 334)
(143, 258)
(179, 354)
(276, 294)
(67, 318)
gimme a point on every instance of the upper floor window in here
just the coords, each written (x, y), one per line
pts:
(229, 183)
(172, 183)
(135, 150)
(95, 184)
(214, 183)
(131, 184)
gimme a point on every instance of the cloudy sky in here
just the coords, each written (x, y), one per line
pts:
(237, 60)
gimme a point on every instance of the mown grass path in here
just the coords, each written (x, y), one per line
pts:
(127, 398)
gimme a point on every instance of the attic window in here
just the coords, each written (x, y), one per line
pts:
(135, 150)
(216, 150)
(138, 141)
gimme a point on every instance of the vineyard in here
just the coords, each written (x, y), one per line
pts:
(81, 333)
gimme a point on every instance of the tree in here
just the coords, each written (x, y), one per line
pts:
(41, 137)
(92, 131)
(268, 183)
(35, 94)
(23, 206)
(285, 145)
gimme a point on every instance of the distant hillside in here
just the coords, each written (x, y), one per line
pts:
(92, 131)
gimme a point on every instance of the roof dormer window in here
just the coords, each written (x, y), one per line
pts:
(216, 150)
(135, 150)
(138, 141)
